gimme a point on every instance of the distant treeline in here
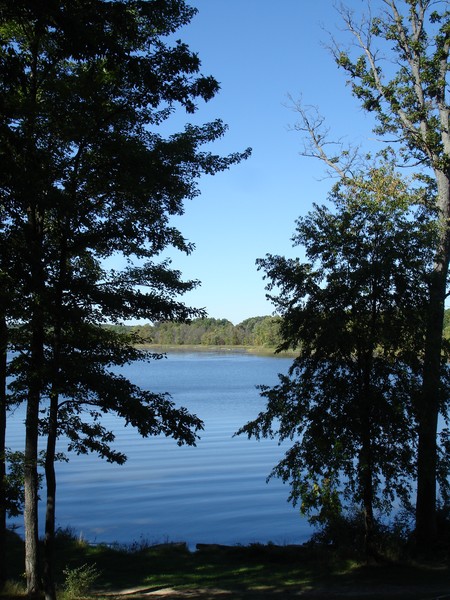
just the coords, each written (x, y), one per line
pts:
(256, 331)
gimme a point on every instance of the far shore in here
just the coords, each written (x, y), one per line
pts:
(256, 350)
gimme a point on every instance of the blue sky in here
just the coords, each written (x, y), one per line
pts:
(260, 52)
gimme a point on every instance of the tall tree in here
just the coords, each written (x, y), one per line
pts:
(408, 94)
(354, 314)
(3, 406)
(10, 298)
(87, 86)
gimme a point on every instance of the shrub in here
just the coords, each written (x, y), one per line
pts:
(80, 580)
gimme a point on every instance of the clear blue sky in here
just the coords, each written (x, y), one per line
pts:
(260, 52)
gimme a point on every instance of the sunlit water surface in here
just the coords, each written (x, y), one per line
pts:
(215, 492)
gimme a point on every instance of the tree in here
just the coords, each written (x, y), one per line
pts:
(9, 301)
(408, 96)
(88, 176)
(354, 312)
(267, 332)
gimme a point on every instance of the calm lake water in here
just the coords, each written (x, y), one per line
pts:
(213, 493)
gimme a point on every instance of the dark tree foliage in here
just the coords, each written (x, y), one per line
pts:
(398, 69)
(88, 176)
(355, 312)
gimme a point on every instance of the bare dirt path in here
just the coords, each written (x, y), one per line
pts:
(377, 592)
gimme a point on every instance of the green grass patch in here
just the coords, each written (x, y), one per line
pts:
(250, 571)
(256, 350)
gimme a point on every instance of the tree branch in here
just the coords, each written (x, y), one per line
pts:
(316, 143)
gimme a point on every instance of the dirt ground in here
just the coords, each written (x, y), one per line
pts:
(377, 592)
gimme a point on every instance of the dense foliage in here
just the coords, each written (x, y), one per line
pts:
(88, 174)
(396, 59)
(354, 312)
(255, 331)
(398, 69)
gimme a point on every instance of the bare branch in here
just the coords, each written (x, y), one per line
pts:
(413, 58)
(412, 55)
(341, 159)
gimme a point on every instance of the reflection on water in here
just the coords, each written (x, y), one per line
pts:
(213, 493)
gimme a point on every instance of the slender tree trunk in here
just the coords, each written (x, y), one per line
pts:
(428, 408)
(31, 481)
(32, 193)
(365, 455)
(3, 367)
(366, 483)
(31, 488)
(31, 495)
(50, 477)
(52, 436)
(367, 489)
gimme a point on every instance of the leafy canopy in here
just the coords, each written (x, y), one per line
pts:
(354, 311)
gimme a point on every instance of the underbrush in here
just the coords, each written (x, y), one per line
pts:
(331, 558)
(345, 535)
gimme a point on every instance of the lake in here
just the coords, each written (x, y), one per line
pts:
(215, 492)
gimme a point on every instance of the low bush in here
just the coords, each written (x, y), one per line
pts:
(79, 581)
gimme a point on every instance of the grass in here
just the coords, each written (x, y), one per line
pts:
(257, 350)
(256, 571)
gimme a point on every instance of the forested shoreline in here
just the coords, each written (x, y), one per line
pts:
(263, 332)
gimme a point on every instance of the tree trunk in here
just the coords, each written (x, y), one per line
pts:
(428, 408)
(31, 481)
(366, 483)
(31, 495)
(3, 366)
(428, 412)
(50, 478)
(365, 455)
(52, 436)
(369, 521)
